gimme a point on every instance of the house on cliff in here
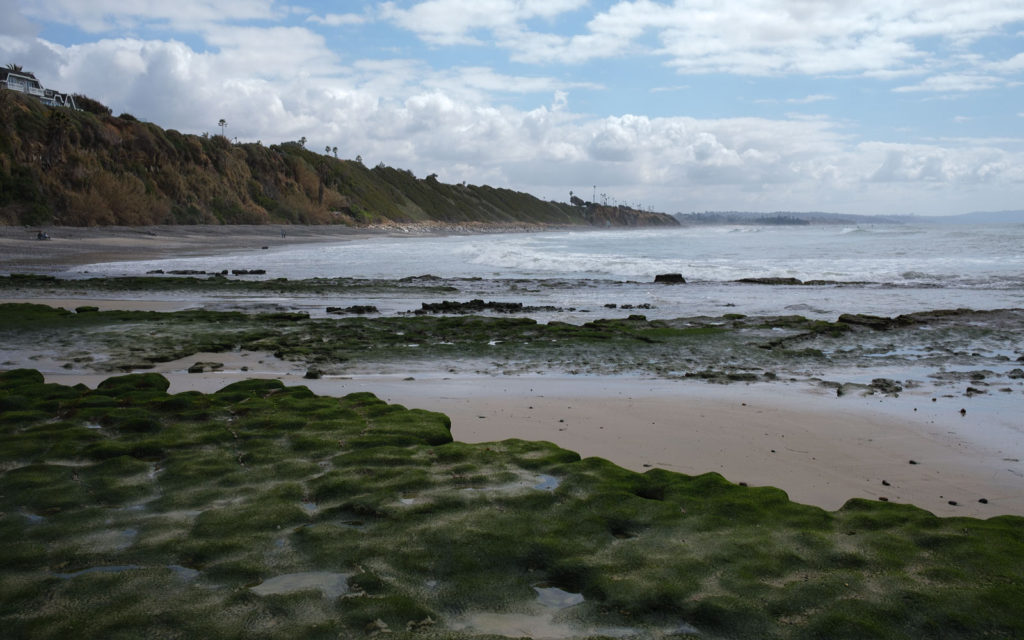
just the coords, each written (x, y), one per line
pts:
(26, 82)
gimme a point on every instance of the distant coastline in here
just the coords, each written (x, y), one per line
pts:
(820, 217)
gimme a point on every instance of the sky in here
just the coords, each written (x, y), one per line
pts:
(853, 106)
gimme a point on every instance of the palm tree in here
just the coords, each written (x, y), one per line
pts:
(16, 68)
(222, 123)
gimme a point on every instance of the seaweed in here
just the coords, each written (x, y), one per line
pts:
(115, 531)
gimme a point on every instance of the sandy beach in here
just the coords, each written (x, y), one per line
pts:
(820, 449)
(20, 248)
(68, 246)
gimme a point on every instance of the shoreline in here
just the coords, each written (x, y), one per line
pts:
(819, 449)
(75, 246)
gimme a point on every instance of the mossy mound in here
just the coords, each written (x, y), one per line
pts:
(265, 511)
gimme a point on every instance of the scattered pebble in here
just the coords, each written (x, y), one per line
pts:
(983, 500)
(912, 462)
(885, 483)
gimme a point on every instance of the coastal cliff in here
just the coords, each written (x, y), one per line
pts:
(76, 168)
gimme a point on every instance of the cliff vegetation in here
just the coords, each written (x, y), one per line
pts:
(84, 168)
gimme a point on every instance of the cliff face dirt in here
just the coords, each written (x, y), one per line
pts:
(75, 168)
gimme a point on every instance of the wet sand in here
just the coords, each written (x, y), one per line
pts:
(20, 250)
(820, 449)
(68, 246)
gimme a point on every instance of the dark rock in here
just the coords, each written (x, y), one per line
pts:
(424, 278)
(473, 306)
(155, 271)
(974, 391)
(912, 461)
(742, 377)
(248, 272)
(885, 483)
(203, 367)
(670, 278)
(291, 316)
(983, 500)
(771, 281)
(356, 309)
(186, 272)
(86, 309)
(312, 373)
(886, 386)
(1016, 374)
(477, 306)
(874, 322)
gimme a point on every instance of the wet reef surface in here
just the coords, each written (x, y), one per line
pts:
(265, 511)
(955, 352)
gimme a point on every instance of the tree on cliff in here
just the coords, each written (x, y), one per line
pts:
(85, 103)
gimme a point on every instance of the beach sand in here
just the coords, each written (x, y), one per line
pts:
(820, 449)
(21, 250)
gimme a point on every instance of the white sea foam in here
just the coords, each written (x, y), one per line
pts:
(907, 267)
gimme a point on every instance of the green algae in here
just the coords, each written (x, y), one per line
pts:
(165, 530)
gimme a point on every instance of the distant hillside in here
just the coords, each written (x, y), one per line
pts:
(59, 166)
(977, 217)
(819, 217)
(782, 218)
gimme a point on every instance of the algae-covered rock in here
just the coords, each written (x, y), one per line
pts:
(135, 382)
(267, 511)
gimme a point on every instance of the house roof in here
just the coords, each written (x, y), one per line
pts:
(4, 72)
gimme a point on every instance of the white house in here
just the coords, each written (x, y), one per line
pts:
(26, 82)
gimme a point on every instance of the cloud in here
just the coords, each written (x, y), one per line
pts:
(953, 82)
(338, 19)
(15, 25)
(948, 166)
(480, 123)
(817, 97)
(449, 22)
(99, 16)
(764, 38)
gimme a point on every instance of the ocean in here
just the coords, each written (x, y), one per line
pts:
(873, 269)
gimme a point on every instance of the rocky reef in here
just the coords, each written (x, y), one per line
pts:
(265, 511)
